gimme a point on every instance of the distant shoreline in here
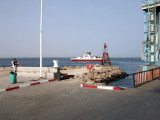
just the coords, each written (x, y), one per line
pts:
(55, 57)
(30, 57)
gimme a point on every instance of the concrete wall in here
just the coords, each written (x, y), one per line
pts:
(5, 71)
(47, 72)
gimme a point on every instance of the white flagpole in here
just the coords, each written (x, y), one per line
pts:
(41, 40)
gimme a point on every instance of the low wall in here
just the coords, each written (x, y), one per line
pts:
(5, 71)
(47, 72)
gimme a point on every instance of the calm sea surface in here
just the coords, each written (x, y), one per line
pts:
(129, 65)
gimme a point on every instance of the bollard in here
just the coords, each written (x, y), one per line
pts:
(57, 74)
(55, 63)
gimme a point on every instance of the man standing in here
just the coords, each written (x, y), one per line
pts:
(15, 64)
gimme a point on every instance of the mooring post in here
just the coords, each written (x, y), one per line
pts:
(90, 67)
(58, 74)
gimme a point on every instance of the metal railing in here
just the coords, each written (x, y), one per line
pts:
(141, 78)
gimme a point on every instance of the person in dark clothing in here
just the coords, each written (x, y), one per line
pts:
(15, 64)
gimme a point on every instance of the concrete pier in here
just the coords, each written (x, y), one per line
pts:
(66, 100)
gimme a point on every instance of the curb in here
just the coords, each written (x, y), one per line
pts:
(26, 85)
(102, 87)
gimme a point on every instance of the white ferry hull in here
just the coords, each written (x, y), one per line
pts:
(86, 59)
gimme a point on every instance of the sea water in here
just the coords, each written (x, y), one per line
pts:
(129, 65)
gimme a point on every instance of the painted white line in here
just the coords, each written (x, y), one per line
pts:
(106, 88)
(102, 87)
(43, 81)
(3, 90)
(26, 85)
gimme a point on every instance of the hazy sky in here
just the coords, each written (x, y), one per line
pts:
(71, 27)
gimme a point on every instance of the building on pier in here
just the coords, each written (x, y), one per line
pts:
(151, 44)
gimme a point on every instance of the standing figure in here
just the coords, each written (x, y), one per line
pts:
(16, 64)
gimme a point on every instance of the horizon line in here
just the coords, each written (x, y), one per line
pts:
(60, 57)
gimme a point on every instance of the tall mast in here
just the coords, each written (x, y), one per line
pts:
(41, 40)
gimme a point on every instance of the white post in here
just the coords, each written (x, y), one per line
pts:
(41, 40)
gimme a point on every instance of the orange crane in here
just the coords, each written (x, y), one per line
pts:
(105, 54)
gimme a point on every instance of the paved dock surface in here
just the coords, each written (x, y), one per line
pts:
(5, 81)
(65, 100)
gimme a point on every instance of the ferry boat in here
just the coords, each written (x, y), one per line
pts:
(87, 57)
